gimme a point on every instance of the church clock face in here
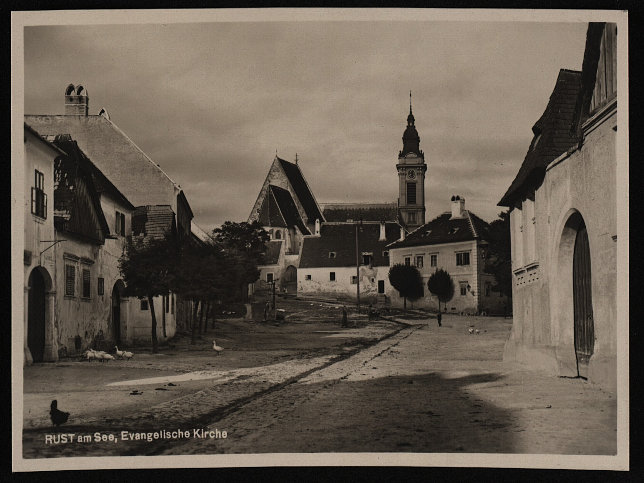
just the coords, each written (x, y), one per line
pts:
(411, 174)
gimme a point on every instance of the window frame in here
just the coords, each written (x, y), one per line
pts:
(407, 260)
(38, 196)
(332, 277)
(70, 280)
(433, 259)
(419, 258)
(411, 200)
(308, 277)
(86, 283)
(463, 288)
(460, 258)
(144, 305)
(270, 275)
(100, 286)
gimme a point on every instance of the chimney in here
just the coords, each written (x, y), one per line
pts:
(402, 233)
(76, 101)
(317, 227)
(458, 206)
(383, 233)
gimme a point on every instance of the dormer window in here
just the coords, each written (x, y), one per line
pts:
(427, 232)
(331, 254)
(452, 231)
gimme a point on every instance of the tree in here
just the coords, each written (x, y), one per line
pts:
(499, 259)
(408, 281)
(202, 274)
(245, 243)
(147, 267)
(440, 283)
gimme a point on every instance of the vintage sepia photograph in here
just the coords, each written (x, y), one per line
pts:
(291, 237)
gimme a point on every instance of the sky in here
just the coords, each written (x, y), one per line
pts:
(211, 103)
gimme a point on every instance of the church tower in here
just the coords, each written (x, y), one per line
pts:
(411, 177)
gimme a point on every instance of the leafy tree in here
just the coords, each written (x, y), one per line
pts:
(408, 281)
(498, 258)
(202, 275)
(147, 267)
(440, 283)
(244, 244)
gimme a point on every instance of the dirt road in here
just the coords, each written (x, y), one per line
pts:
(384, 387)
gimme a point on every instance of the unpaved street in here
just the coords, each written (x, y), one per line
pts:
(383, 387)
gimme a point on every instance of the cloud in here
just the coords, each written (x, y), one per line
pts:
(212, 102)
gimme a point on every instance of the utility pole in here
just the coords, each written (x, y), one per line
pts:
(358, 266)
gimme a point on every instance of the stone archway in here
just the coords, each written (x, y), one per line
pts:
(39, 314)
(572, 310)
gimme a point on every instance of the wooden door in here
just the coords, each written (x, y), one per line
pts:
(36, 316)
(582, 295)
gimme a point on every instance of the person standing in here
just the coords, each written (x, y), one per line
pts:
(345, 322)
(439, 317)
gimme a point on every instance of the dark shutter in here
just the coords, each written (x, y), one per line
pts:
(70, 279)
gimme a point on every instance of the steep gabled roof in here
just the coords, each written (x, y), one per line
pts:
(343, 212)
(139, 178)
(553, 136)
(339, 238)
(444, 229)
(101, 183)
(278, 209)
(302, 190)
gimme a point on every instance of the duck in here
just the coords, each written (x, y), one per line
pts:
(216, 348)
(57, 417)
(127, 355)
(119, 353)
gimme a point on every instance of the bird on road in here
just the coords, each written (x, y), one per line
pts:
(216, 348)
(57, 417)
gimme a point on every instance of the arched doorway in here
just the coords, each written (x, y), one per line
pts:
(117, 293)
(290, 279)
(582, 300)
(36, 315)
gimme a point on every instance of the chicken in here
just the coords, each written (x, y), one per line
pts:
(216, 348)
(119, 353)
(470, 330)
(90, 354)
(57, 417)
(477, 331)
(127, 355)
(107, 357)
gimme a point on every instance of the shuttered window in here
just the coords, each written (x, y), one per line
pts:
(70, 280)
(86, 284)
(120, 223)
(38, 196)
(411, 193)
(101, 285)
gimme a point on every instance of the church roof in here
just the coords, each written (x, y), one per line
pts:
(553, 135)
(360, 211)
(153, 221)
(411, 140)
(302, 190)
(278, 209)
(339, 238)
(444, 229)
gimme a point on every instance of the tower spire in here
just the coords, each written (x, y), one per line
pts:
(410, 102)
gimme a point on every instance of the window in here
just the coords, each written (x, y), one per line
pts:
(70, 280)
(354, 279)
(433, 260)
(463, 286)
(120, 223)
(381, 286)
(331, 254)
(463, 258)
(331, 276)
(86, 284)
(101, 285)
(411, 217)
(278, 235)
(453, 231)
(488, 288)
(172, 304)
(407, 260)
(385, 254)
(307, 277)
(167, 303)
(411, 194)
(144, 304)
(38, 196)
(366, 258)
(419, 261)
(269, 278)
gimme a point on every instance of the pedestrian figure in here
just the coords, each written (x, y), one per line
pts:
(345, 322)
(438, 317)
(267, 308)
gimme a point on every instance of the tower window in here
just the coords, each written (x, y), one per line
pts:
(411, 193)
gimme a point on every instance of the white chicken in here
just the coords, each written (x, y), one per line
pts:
(107, 357)
(90, 354)
(127, 355)
(471, 330)
(216, 348)
(119, 353)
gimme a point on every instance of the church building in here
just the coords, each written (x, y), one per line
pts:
(332, 248)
